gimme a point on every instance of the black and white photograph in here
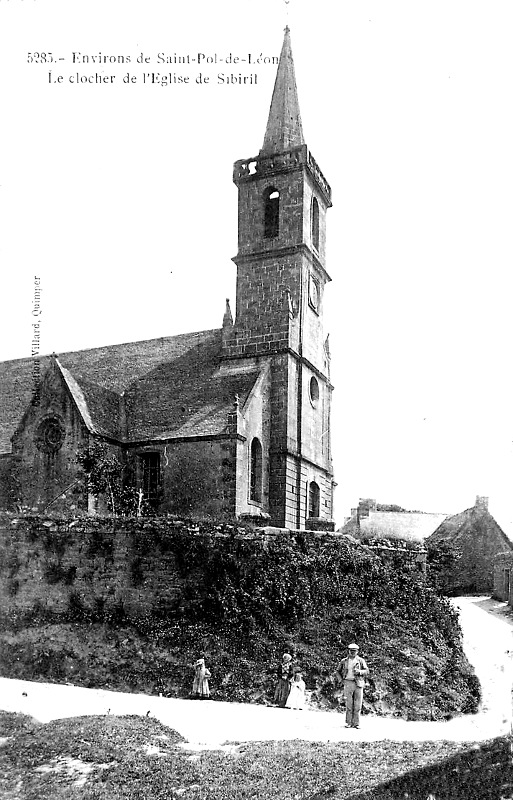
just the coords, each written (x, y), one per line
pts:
(256, 400)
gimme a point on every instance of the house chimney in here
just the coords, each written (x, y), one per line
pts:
(365, 505)
(481, 502)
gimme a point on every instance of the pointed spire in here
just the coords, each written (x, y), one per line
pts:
(227, 318)
(284, 130)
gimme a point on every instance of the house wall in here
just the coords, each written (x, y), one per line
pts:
(503, 577)
(474, 571)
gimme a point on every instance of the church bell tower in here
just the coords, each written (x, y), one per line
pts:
(281, 279)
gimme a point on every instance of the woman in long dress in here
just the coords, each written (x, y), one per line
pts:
(285, 673)
(296, 698)
(200, 689)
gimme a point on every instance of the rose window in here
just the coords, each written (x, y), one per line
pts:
(50, 435)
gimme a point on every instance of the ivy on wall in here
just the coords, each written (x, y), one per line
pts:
(225, 573)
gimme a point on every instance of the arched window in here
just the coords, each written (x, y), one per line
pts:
(314, 223)
(255, 485)
(313, 499)
(271, 213)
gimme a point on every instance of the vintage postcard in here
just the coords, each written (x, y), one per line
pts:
(255, 271)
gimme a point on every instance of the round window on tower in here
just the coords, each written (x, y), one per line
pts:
(50, 435)
(314, 293)
(314, 391)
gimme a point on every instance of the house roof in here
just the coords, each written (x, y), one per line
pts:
(405, 525)
(170, 387)
(459, 528)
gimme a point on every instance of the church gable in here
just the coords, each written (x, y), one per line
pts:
(45, 445)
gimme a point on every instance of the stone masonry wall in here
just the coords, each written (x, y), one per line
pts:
(196, 477)
(108, 563)
(8, 485)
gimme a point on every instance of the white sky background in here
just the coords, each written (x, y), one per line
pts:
(120, 198)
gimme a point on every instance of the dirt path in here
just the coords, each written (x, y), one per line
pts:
(488, 642)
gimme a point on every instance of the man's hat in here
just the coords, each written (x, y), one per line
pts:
(352, 646)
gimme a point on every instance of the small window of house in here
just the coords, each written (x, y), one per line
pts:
(313, 499)
(255, 488)
(315, 223)
(271, 213)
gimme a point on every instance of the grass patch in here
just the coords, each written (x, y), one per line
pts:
(135, 758)
(12, 723)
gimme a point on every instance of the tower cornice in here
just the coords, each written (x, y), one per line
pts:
(274, 349)
(297, 158)
(283, 252)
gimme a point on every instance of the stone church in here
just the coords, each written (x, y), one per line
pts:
(234, 420)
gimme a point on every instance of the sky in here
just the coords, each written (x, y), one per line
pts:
(118, 196)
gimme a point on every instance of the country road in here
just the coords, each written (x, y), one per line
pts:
(488, 641)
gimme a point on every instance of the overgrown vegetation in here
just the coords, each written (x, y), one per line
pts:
(107, 478)
(243, 604)
(121, 758)
(442, 563)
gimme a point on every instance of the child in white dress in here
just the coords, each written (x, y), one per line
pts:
(200, 689)
(296, 698)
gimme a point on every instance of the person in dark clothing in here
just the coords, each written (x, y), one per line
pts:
(285, 675)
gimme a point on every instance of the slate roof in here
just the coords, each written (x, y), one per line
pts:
(170, 387)
(16, 382)
(405, 525)
(100, 408)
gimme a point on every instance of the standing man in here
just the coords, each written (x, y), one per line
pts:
(351, 673)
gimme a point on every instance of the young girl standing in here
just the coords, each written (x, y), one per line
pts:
(200, 689)
(296, 698)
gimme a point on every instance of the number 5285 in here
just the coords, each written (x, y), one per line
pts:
(39, 58)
